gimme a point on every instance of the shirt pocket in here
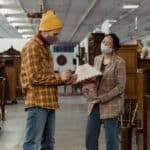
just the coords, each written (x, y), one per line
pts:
(43, 61)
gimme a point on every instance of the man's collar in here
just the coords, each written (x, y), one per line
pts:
(41, 39)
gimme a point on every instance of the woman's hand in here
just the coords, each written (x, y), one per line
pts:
(95, 100)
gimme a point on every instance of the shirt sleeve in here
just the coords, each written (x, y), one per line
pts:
(38, 74)
(120, 86)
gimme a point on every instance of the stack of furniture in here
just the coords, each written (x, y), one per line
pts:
(137, 86)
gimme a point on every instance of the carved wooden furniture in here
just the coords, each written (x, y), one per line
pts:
(13, 55)
(144, 63)
(143, 76)
(14, 69)
(2, 98)
(129, 54)
(94, 46)
(147, 122)
(137, 86)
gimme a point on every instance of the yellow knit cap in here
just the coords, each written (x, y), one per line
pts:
(50, 21)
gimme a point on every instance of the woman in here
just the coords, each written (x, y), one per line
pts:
(108, 104)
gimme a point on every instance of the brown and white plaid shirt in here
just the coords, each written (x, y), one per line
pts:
(38, 80)
(111, 87)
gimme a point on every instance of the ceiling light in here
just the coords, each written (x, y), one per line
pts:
(131, 6)
(112, 20)
(12, 19)
(6, 11)
(20, 24)
(27, 36)
(4, 2)
(24, 30)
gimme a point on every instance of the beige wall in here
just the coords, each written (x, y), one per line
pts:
(16, 43)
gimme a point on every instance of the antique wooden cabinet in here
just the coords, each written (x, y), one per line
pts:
(94, 46)
(137, 86)
(11, 59)
(147, 122)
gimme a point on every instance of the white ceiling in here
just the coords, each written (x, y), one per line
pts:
(79, 17)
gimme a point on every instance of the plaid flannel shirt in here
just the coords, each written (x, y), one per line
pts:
(111, 87)
(38, 80)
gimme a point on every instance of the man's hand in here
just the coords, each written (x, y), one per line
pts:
(65, 76)
(72, 80)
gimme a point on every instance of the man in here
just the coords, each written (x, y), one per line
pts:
(39, 83)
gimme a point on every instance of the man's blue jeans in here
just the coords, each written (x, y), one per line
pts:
(93, 131)
(40, 129)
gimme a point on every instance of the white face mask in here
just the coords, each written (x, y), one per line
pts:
(105, 49)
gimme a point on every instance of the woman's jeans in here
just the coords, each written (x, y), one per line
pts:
(40, 129)
(93, 131)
